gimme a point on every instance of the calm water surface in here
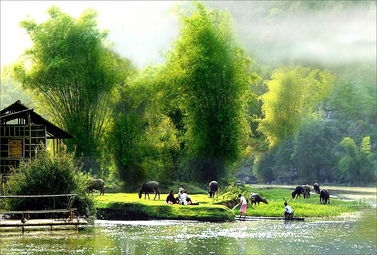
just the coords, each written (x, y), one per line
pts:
(353, 235)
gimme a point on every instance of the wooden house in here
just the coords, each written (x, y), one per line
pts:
(22, 131)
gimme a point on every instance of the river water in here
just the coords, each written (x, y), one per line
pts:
(350, 234)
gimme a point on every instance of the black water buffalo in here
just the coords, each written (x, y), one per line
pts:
(307, 190)
(256, 198)
(296, 193)
(316, 188)
(213, 188)
(150, 187)
(96, 184)
(324, 196)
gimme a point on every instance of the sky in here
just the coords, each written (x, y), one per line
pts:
(144, 30)
(140, 30)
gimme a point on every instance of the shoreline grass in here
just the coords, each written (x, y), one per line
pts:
(214, 209)
(135, 208)
(309, 207)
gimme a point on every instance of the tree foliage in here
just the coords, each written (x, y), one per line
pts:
(143, 138)
(192, 117)
(294, 93)
(313, 156)
(355, 166)
(211, 75)
(73, 73)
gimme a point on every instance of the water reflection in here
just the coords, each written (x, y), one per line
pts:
(356, 235)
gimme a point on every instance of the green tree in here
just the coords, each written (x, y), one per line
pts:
(144, 134)
(211, 75)
(368, 167)
(348, 163)
(128, 132)
(294, 93)
(351, 104)
(72, 73)
(355, 166)
(313, 155)
(263, 167)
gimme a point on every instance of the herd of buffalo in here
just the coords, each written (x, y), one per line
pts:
(304, 190)
(324, 195)
(213, 189)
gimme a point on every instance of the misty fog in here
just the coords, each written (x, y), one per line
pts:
(273, 32)
(344, 35)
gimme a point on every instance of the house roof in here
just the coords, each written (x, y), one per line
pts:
(18, 110)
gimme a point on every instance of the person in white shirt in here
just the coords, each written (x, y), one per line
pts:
(180, 191)
(288, 210)
(184, 198)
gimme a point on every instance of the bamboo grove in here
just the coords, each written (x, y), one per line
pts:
(209, 111)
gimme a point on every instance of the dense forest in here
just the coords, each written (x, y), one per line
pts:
(225, 101)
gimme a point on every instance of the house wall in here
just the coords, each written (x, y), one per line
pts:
(19, 143)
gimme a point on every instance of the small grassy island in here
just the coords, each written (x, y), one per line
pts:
(128, 206)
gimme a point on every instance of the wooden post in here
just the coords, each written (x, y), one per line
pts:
(71, 214)
(29, 125)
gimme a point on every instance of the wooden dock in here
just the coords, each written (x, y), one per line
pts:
(255, 218)
(52, 224)
(68, 217)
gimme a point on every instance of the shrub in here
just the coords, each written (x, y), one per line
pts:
(48, 175)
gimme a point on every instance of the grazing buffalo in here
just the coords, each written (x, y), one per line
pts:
(296, 193)
(316, 188)
(256, 198)
(150, 187)
(96, 184)
(324, 196)
(307, 190)
(213, 188)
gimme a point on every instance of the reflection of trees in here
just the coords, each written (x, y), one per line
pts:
(94, 241)
(264, 237)
(185, 238)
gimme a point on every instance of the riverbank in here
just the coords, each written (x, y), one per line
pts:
(127, 206)
(137, 211)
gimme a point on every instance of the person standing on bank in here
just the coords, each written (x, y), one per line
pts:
(243, 203)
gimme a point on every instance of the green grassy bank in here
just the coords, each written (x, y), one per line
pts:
(309, 207)
(127, 206)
